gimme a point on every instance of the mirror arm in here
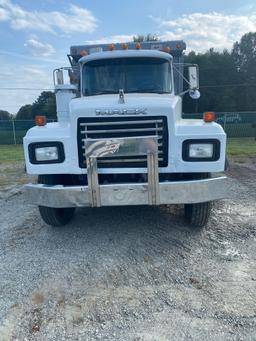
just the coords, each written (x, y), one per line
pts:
(183, 93)
(184, 78)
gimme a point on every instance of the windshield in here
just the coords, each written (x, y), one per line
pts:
(108, 76)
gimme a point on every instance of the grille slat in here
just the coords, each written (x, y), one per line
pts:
(120, 130)
(125, 160)
(122, 122)
(159, 145)
(114, 127)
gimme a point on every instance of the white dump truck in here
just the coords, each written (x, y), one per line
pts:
(120, 138)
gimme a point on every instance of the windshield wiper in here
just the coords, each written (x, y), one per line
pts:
(148, 91)
(103, 92)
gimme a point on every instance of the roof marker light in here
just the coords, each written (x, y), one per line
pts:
(83, 53)
(111, 47)
(167, 49)
(124, 46)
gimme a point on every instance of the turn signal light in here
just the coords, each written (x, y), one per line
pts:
(111, 47)
(40, 120)
(137, 46)
(209, 116)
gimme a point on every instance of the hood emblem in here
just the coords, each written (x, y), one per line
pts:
(121, 96)
(132, 111)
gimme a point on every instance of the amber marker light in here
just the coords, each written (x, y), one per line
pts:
(137, 46)
(83, 53)
(209, 116)
(167, 49)
(40, 120)
(111, 47)
(124, 46)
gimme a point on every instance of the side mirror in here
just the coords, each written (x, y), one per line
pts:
(60, 77)
(194, 94)
(193, 77)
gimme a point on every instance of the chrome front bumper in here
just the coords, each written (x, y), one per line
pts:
(177, 192)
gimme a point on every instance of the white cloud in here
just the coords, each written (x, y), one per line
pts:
(38, 48)
(202, 31)
(122, 38)
(75, 19)
(24, 76)
(3, 15)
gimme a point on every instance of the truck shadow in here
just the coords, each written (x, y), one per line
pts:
(160, 226)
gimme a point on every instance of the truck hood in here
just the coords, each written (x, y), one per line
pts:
(155, 104)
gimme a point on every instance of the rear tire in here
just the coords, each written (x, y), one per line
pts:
(51, 215)
(198, 214)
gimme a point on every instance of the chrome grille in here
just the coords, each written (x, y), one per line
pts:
(111, 127)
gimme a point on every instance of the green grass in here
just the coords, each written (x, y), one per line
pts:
(11, 153)
(245, 146)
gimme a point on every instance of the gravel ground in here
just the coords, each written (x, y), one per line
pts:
(130, 273)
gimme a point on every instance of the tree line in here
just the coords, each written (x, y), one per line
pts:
(227, 78)
(44, 105)
(227, 82)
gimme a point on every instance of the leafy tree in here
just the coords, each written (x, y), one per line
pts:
(45, 105)
(218, 74)
(25, 113)
(5, 115)
(149, 37)
(244, 56)
(227, 79)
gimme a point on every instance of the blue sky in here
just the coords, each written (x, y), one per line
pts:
(35, 36)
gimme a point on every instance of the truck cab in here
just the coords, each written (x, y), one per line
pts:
(120, 138)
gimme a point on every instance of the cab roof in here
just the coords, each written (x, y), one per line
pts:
(125, 54)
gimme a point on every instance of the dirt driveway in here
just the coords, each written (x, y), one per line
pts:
(130, 273)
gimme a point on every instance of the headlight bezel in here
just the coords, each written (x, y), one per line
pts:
(215, 155)
(32, 152)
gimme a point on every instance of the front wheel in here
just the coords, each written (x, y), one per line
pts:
(198, 214)
(56, 216)
(51, 215)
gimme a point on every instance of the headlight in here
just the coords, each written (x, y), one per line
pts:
(201, 150)
(46, 152)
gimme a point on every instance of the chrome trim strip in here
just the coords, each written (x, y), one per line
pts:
(142, 159)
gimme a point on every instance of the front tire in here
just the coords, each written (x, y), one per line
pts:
(198, 214)
(51, 215)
